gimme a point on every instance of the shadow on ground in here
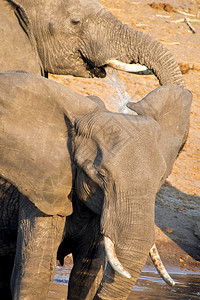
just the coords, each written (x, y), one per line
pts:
(177, 214)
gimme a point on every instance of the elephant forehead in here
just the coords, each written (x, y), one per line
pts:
(115, 131)
(130, 146)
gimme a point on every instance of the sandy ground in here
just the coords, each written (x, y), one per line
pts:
(178, 203)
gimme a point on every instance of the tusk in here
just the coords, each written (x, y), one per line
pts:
(112, 258)
(159, 266)
(133, 68)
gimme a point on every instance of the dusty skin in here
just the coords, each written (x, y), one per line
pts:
(178, 203)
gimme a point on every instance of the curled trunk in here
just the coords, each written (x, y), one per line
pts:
(129, 46)
(155, 57)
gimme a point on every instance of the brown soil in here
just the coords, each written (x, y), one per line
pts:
(178, 204)
(163, 6)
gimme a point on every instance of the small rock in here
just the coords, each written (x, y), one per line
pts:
(196, 67)
(163, 6)
(169, 230)
(185, 68)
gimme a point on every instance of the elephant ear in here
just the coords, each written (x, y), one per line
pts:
(35, 141)
(26, 25)
(170, 106)
(98, 100)
(21, 14)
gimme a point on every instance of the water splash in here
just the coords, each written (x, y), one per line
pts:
(117, 96)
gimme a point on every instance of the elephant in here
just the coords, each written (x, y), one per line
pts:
(69, 161)
(76, 37)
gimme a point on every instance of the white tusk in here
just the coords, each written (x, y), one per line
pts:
(112, 258)
(133, 68)
(159, 266)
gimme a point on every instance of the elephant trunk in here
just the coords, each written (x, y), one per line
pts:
(129, 223)
(146, 51)
(127, 45)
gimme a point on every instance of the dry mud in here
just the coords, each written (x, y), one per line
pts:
(178, 203)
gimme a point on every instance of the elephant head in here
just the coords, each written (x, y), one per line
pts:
(114, 163)
(81, 37)
(128, 158)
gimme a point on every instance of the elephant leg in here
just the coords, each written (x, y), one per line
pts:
(87, 271)
(6, 263)
(9, 204)
(39, 236)
(84, 240)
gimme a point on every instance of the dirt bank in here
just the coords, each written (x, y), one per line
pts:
(178, 203)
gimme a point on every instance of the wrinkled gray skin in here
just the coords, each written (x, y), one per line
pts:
(109, 166)
(62, 37)
(75, 37)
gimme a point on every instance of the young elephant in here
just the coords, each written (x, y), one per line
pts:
(56, 147)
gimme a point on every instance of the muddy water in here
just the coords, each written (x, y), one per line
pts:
(149, 285)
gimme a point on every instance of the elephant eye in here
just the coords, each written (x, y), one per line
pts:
(103, 173)
(76, 19)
